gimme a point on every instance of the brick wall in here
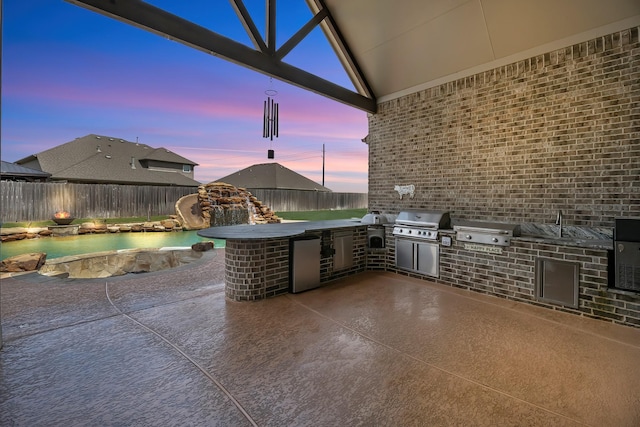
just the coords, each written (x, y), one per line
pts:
(276, 267)
(560, 131)
(327, 270)
(256, 269)
(512, 275)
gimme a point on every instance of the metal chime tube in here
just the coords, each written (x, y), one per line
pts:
(264, 121)
(276, 120)
(273, 118)
(270, 119)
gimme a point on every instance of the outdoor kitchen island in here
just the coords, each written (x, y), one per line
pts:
(258, 257)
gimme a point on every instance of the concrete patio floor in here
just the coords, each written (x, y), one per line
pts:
(377, 349)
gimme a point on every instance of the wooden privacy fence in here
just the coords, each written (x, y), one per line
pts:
(305, 200)
(38, 201)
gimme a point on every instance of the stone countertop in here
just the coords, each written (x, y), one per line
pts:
(605, 244)
(580, 242)
(577, 237)
(276, 231)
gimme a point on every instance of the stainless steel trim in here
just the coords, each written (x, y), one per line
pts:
(487, 233)
(488, 228)
(417, 224)
(484, 238)
(415, 232)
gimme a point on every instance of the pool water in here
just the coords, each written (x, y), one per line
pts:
(56, 247)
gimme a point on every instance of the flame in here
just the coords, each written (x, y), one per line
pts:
(62, 214)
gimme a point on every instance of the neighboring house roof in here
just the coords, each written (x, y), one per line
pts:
(12, 170)
(103, 159)
(164, 155)
(271, 176)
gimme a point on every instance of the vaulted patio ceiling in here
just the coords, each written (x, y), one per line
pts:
(393, 47)
(405, 45)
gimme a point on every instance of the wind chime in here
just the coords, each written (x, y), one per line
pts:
(270, 120)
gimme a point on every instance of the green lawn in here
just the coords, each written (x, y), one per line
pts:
(323, 215)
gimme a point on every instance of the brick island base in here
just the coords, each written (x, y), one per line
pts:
(256, 269)
(257, 257)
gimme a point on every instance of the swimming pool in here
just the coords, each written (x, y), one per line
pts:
(56, 247)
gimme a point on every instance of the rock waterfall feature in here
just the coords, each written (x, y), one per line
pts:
(218, 203)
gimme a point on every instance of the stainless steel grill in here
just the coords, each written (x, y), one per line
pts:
(486, 233)
(421, 224)
(416, 233)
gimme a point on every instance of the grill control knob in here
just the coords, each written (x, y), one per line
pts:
(495, 240)
(468, 237)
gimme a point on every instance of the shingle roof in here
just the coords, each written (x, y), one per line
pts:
(271, 176)
(12, 169)
(164, 155)
(96, 158)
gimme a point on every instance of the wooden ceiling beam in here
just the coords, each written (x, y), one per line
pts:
(156, 20)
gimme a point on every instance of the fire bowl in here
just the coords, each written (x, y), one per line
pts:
(62, 221)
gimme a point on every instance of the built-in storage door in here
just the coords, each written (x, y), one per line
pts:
(427, 258)
(343, 245)
(404, 254)
(420, 257)
(304, 264)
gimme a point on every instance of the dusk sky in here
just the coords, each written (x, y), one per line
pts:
(68, 72)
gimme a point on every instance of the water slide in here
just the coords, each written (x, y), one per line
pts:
(190, 213)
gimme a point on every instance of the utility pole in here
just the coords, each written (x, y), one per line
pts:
(323, 165)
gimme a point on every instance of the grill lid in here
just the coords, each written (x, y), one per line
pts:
(488, 228)
(424, 218)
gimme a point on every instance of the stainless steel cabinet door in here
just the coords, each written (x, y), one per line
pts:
(404, 254)
(427, 258)
(343, 245)
(305, 265)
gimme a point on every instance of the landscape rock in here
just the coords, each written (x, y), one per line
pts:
(13, 237)
(202, 246)
(117, 263)
(219, 203)
(24, 262)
